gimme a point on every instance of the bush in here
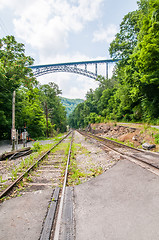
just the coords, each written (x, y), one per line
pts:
(157, 138)
(36, 147)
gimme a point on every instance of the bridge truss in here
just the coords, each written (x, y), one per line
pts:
(73, 67)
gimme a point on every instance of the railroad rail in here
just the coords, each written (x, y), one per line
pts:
(50, 222)
(13, 184)
(149, 158)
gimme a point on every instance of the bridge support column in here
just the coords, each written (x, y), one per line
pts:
(106, 70)
(96, 69)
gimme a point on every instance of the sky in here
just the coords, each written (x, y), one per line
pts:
(59, 31)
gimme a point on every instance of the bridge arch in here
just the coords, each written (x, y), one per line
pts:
(73, 67)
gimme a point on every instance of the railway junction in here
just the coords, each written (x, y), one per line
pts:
(85, 187)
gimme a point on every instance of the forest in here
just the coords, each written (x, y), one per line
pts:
(70, 104)
(132, 93)
(37, 107)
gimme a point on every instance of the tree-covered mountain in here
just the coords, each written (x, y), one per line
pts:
(70, 104)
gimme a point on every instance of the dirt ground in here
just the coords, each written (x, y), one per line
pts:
(132, 134)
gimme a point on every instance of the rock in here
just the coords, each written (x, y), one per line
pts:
(148, 146)
(134, 138)
(132, 130)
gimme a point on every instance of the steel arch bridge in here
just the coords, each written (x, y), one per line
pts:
(73, 67)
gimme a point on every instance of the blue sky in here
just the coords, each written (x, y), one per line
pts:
(56, 31)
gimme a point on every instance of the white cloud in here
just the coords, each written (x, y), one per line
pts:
(16, 5)
(4, 3)
(65, 58)
(105, 34)
(72, 86)
(89, 10)
(47, 24)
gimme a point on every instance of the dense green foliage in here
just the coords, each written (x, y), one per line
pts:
(40, 110)
(32, 100)
(70, 104)
(52, 103)
(132, 94)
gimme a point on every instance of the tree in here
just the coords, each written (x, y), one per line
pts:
(147, 52)
(139, 67)
(56, 112)
(29, 112)
(126, 40)
(14, 64)
(14, 73)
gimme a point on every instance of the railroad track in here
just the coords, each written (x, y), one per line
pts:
(36, 163)
(48, 174)
(144, 158)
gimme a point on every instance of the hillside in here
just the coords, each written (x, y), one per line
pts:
(70, 104)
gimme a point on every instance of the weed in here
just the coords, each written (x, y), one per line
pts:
(29, 179)
(21, 184)
(146, 127)
(130, 144)
(36, 147)
(1, 180)
(4, 186)
(27, 162)
(157, 138)
(96, 171)
(80, 149)
(75, 175)
(19, 195)
(14, 174)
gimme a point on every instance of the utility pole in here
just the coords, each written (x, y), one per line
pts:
(46, 119)
(13, 135)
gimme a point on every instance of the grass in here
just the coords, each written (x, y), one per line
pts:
(76, 175)
(60, 147)
(81, 149)
(4, 186)
(49, 138)
(156, 138)
(96, 171)
(1, 180)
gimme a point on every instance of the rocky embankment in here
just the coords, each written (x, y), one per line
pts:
(137, 136)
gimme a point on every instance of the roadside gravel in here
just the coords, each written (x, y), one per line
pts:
(90, 158)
